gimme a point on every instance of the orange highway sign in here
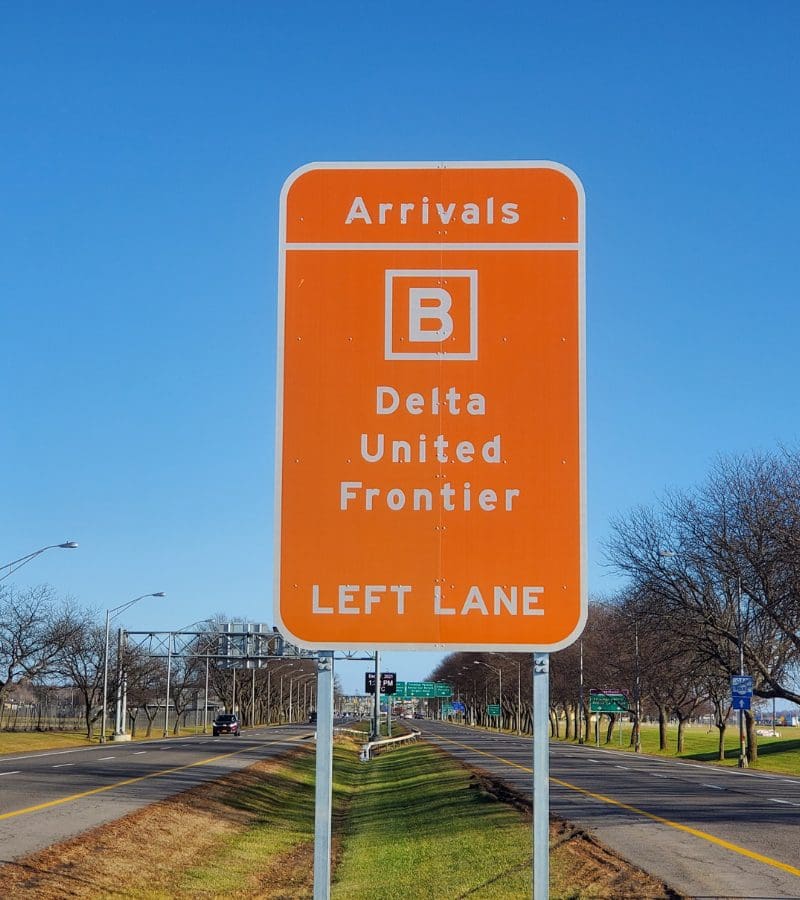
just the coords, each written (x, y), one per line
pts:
(430, 470)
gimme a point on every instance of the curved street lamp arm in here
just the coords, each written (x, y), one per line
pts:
(19, 563)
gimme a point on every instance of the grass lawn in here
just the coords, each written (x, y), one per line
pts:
(777, 754)
(31, 741)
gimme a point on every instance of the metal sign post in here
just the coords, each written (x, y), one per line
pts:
(541, 776)
(324, 779)
(376, 720)
(741, 692)
(421, 307)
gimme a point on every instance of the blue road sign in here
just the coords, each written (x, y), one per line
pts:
(458, 706)
(742, 686)
(738, 702)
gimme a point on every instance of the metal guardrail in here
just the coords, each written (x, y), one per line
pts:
(366, 751)
(338, 730)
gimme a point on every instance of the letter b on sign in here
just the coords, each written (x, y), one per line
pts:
(431, 314)
(429, 305)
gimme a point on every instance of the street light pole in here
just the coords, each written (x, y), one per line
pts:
(376, 723)
(580, 699)
(23, 560)
(742, 741)
(479, 662)
(519, 691)
(637, 742)
(118, 704)
(280, 693)
(110, 614)
(170, 639)
(170, 643)
(269, 693)
(205, 701)
(105, 682)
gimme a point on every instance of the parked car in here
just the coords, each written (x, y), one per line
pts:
(226, 723)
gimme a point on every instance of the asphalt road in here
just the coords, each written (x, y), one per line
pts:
(49, 796)
(706, 831)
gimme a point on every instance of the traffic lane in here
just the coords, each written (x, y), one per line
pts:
(696, 864)
(774, 798)
(740, 811)
(52, 774)
(703, 797)
(757, 784)
(45, 813)
(776, 793)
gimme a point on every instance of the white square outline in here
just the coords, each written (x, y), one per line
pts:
(471, 274)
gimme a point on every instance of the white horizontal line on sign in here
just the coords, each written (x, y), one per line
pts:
(430, 246)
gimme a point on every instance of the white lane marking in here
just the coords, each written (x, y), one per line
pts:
(714, 787)
(15, 772)
(622, 767)
(656, 775)
(62, 765)
(680, 764)
(593, 760)
(103, 758)
(77, 750)
(139, 752)
(787, 802)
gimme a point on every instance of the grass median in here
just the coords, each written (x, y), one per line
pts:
(411, 823)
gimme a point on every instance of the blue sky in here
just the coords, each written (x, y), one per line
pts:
(142, 156)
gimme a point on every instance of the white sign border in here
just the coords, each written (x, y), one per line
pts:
(579, 246)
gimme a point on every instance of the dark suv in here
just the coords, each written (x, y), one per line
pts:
(226, 723)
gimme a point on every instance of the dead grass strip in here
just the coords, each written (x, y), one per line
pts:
(154, 845)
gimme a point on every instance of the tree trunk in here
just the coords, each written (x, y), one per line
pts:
(150, 718)
(752, 742)
(721, 730)
(567, 722)
(681, 726)
(610, 728)
(662, 728)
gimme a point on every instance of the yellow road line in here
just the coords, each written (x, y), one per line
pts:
(117, 784)
(687, 829)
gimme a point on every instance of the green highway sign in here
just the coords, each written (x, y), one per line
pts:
(608, 701)
(422, 689)
(493, 709)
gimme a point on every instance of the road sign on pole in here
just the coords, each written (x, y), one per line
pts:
(388, 682)
(412, 689)
(430, 442)
(608, 701)
(742, 686)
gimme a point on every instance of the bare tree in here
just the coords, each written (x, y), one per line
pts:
(81, 663)
(722, 567)
(35, 626)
